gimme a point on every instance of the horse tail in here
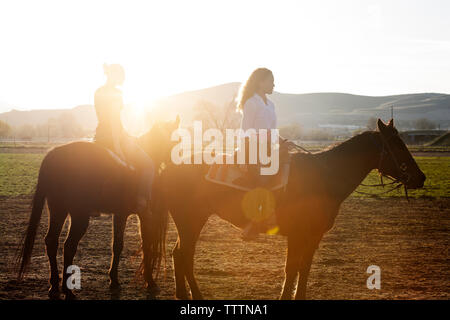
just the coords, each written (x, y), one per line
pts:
(37, 205)
(153, 232)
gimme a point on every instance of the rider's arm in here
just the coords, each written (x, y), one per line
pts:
(249, 113)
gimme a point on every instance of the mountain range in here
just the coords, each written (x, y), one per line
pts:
(309, 109)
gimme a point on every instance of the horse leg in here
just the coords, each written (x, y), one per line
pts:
(78, 227)
(305, 266)
(119, 223)
(188, 253)
(152, 286)
(56, 221)
(178, 267)
(188, 241)
(291, 268)
(183, 254)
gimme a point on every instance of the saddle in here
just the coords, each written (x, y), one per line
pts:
(246, 177)
(107, 144)
(108, 183)
(239, 177)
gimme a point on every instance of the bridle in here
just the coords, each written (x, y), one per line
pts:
(401, 168)
(386, 150)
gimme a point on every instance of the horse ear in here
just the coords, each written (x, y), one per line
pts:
(177, 121)
(381, 126)
(391, 123)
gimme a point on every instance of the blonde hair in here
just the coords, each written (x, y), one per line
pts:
(248, 89)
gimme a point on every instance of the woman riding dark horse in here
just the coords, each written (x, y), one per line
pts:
(83, 179)
(110, 133)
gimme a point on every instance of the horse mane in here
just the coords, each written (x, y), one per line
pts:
(338, 148)
(349, 144)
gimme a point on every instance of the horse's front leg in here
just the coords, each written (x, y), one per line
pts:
(119, 223)
(291, 268)
(179, 272)
(148, 253)
(188, 236)
(305, 266)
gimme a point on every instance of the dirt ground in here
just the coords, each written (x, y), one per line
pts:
(408, 241)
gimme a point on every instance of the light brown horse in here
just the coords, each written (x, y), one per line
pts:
(318, 184)
(84, 179)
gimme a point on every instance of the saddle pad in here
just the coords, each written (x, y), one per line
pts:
(225, 174)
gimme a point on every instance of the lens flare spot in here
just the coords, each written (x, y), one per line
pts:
(273, 231)
(258, 204)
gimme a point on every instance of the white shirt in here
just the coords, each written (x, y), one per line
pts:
(258, 115)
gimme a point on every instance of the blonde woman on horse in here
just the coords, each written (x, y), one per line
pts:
(258, 112)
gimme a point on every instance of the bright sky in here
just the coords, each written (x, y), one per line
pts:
(52, 52)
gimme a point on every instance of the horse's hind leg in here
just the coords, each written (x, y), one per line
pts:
(119, 223)
(78, 227)
(57, 217)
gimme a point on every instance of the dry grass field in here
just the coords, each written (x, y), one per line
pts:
(408, 241)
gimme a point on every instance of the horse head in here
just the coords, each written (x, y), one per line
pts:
(396, 160)
(157, 141)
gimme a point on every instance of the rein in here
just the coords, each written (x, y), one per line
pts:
(401, 168)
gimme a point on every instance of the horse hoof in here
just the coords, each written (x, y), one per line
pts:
(153, 289)
(114, 286)
(54, 294)
(70, 296)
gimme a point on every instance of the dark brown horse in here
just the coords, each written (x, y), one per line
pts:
(84, 179)
(318, 184)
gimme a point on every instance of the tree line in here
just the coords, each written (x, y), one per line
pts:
(64, 126)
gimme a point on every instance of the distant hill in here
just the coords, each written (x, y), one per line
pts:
(183, 103)
(308, 109)
(324, 108)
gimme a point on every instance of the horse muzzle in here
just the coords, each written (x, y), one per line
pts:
(416, 182)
